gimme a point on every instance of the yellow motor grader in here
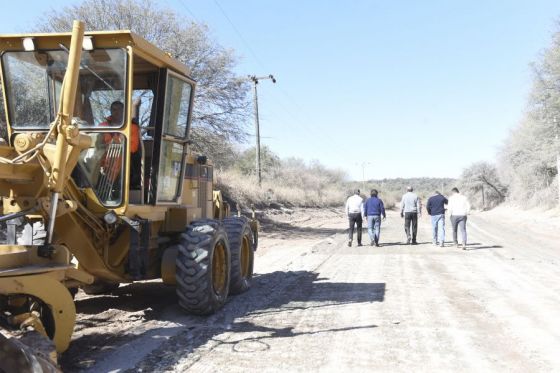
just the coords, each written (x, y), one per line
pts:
(98, 187)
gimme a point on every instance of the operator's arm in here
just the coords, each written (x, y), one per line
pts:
(134, 137)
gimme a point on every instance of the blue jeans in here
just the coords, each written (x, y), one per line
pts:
(374, 227)
(459, 222)
(438, 228)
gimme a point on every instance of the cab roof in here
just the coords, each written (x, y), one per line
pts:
(101, 39)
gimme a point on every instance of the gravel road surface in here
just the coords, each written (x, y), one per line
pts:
(318, 305)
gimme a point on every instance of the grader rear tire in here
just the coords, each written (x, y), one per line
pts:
(203, 267)
(241, 246)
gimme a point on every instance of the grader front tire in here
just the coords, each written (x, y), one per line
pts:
(241, 246)
(203, 268)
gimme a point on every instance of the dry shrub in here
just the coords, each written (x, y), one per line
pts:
(289, 191)
(544, 198)
(390, 199)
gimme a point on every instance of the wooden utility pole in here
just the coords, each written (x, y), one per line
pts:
(557, 162)
(257, 133)
(255, 80)
(555, 121)
(483, 199)
(558, 171)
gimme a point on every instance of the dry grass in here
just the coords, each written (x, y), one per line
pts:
(288, 191)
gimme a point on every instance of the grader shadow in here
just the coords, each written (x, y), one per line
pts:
(272, 293)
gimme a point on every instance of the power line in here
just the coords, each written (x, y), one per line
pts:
(239, 34)
(302, 124)
(286, 94)
(189, 11)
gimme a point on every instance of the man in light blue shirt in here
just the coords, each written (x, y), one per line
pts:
(411, 210)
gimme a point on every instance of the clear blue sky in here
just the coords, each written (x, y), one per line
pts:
(412, 88)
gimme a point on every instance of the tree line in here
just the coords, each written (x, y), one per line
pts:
(526, 168)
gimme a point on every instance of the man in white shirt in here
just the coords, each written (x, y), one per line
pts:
(354, 211)
(458, 208)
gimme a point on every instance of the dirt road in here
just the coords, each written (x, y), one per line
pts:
(318, 305)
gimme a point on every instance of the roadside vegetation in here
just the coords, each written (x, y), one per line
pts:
(285, 182)
(528, 161)
(525, 171)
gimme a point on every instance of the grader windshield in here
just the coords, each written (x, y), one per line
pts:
(33, 81)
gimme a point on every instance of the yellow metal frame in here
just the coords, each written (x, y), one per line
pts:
(57, 297)
(245, 256)
(220, 268)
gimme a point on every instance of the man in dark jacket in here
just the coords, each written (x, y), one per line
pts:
(373, 211)
(436, 209)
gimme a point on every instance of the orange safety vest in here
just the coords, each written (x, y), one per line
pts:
(115, 166)
(134, 135)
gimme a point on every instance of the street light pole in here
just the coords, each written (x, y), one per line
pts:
(255, 80)
(364, 164)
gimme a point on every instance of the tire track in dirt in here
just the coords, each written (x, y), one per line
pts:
(237, 317)
(509, 294)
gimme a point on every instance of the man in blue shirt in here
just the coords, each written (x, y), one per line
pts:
(373, 211)
(436, 209)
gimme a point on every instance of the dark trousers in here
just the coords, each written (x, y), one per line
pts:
(357, 220)
(459, 222)
(411, 221)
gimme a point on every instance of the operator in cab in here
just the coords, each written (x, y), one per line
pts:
(116, 120)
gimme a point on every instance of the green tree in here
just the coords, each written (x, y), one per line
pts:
(270, 162)
(480, 180)
(528, 159)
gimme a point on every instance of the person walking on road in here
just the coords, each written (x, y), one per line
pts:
(458, 207)
(354, 211)
(436, 209)
(374, 210)
(411, 210)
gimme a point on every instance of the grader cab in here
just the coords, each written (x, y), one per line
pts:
(99, 187)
